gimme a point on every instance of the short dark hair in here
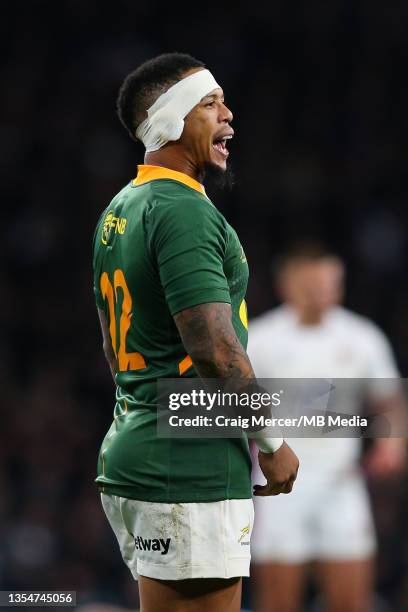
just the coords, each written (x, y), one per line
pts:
(145, 84)
(306, 250)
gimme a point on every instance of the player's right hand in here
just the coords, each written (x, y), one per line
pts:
(280, 470)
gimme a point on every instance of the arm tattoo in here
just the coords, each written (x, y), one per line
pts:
(210, 340)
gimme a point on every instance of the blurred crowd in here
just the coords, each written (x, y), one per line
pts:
(320, 118)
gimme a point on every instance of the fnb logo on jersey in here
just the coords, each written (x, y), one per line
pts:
(112, 222)
(156, 544)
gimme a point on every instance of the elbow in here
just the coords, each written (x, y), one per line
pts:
(202, 358)
(214, 363)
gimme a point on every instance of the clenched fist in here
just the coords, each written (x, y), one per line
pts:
(280, 470)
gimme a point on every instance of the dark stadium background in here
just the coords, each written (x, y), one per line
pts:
(319, 94)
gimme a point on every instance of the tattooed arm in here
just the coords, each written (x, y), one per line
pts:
(210, 340)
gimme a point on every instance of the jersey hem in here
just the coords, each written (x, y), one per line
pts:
(176, 497)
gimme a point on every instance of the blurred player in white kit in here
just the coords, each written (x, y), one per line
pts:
(327, 519)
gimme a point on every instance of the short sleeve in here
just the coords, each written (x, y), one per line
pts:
(188, 238)
(382, 369)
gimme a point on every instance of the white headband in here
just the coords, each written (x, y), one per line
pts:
(165, 118)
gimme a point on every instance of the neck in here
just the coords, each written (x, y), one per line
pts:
(173, 157)
(309, 317)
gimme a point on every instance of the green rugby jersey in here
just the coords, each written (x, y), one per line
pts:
(161, 246)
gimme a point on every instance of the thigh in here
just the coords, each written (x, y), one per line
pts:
(345, 525)
(278, 587)
(347, 586)
(196, 595)
(282, 530)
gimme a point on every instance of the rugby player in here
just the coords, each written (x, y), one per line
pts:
(170, 277)
(328, 519)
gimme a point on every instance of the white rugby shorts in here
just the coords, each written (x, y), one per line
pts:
(326, 517)
(183, 540)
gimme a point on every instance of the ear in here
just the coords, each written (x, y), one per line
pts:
(168, 125)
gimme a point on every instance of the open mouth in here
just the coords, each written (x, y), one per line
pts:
(220, 145)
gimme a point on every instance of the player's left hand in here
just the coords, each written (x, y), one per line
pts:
(386, 458)
(280, 470)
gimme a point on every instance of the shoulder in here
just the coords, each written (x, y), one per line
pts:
(123, 195)
(126, 194)
(108, 213)
(361, 328)
(185, 209)
(175, 194)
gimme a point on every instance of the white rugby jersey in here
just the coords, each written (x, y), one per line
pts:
(343, 345)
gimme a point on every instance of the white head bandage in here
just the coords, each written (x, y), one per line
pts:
(165, 118)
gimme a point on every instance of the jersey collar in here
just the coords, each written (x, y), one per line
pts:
(147, 173)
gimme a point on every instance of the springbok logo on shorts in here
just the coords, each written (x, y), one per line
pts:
(244, 532)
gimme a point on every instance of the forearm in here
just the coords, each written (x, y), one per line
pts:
(393, 408)
(210, 339)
